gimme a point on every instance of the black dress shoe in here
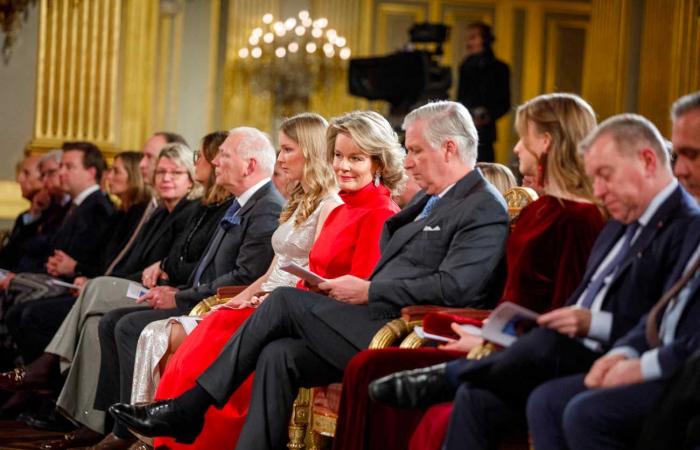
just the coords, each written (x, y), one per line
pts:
(418, 388)
(162, 418)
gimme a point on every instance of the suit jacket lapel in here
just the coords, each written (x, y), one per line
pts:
(402, 226)
(646, 237)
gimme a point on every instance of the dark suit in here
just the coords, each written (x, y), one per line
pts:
(83, 229)
(35, 240)
(241, 257)
(564, 411)
(301, 339)
(502, 382)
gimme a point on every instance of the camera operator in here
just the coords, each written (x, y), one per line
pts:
(484, 86)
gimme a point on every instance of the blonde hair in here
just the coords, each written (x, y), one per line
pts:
(372, 133)
(308, 130)
(498, 175)
(567, 118)
(182, 155)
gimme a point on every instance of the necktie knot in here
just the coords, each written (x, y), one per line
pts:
(429, 206)
(230, 218)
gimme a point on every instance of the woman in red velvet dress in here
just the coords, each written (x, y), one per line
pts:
(546, 256)
(367, 160)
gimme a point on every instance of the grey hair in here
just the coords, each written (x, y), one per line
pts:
(630, 132)
(447, 120)
(54, 154)
(685, 104)
(256, 144)
(184, 156)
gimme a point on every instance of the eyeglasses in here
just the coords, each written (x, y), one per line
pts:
(48, 173)
(172, 173)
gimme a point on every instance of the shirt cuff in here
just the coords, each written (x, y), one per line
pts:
(601, 325)
(650, 365)
(28, 218)
(626, 351)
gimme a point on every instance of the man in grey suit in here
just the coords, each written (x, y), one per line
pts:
(443, 248)
(238, 253)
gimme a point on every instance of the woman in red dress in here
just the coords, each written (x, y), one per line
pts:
(546, 256)
(367, 160)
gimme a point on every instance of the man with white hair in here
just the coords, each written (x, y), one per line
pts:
(442, 248)
(237, 254)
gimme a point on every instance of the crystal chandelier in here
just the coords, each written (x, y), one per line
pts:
(11, 12)
(291, 59)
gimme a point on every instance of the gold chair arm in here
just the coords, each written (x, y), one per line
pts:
(482, 351)
(389, 333)
(412, 341)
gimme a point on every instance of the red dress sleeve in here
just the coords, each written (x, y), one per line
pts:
(367, 251)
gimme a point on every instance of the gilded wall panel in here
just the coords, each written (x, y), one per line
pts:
(77, 72)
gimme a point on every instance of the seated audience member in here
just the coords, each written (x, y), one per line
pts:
(78, 330)
(607, 407)
(367, 160)
(238, 253)
(124, 181)
(26, 227)
(546, 258)
(499, 175)
(36, 322)
(87, 217)
(443, 248)
(628, 268)
(29, 180)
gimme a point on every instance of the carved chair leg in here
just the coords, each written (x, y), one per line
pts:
(299, 421)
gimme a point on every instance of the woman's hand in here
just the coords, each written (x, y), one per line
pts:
(151, 275)
(466, 341)
(61, 264)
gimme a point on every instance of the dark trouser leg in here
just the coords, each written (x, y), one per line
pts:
(127, 332)
(283, 366)
(285, 313)
(539, 356)
(108, 384)
(33, 323)
(545, 410)
(479, 419)
(609, 418)
(675, 423)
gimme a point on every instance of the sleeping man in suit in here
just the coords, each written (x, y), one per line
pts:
(296, 338)
(626, 273)
(606, 407)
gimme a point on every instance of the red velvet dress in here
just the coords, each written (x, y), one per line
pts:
(546, 256)
(348, 244)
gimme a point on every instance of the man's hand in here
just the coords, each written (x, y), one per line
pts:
(466, 341)
(347, 289)
(623, 373)
(160, 297)
(596, 374)
(571, 321)
(5, 282)
(40, 202)
(61, 264)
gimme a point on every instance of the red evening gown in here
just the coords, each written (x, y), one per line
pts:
(348, 244)
(546, 256)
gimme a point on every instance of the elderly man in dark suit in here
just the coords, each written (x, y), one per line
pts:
(238, 253)
(629, 266)
(578, 410)
(443, 248)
